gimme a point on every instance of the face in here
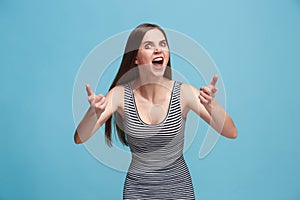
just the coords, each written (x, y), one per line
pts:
(153, 54)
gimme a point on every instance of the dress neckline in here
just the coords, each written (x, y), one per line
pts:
(137, 112)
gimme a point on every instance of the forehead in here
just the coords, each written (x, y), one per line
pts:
(154, 35)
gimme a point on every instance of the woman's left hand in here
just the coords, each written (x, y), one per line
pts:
(216, 116)
(207, 93)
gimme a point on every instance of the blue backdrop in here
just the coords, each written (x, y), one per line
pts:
(255, 45)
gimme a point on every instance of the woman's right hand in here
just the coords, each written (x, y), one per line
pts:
(97, 102)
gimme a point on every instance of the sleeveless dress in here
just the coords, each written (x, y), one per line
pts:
(157, 169)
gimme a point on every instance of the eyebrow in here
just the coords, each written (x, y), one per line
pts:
(153, 42)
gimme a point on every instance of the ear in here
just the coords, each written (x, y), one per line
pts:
(136, 61)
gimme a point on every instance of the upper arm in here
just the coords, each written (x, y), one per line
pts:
(191, 101)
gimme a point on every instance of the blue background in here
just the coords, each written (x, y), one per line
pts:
(255, 45)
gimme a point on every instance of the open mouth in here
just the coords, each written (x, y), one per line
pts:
(158, 61)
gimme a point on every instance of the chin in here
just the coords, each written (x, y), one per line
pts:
(158, 69)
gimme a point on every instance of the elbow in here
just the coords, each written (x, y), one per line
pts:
(77, 139)
(233, 134)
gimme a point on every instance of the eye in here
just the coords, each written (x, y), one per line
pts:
(148, 46)
(163, 43)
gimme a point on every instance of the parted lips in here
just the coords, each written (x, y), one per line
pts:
(158, 60)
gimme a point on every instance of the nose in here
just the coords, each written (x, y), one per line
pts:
(157, 50)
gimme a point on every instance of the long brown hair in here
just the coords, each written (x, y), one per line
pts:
(128, 72)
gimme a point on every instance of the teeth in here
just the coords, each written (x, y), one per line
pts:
(157, 59)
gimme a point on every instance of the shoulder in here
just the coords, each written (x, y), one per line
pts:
(116, 95)
(118, 89)
(189, 94)
(187, 89)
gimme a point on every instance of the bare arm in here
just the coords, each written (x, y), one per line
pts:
(101, 108)
(204, 104)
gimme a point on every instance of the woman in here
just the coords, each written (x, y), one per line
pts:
(150, 111)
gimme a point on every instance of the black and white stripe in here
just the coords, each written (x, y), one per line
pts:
(158, 169)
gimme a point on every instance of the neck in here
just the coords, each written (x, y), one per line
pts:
(151, 89)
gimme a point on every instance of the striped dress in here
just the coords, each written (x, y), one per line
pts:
(157, 169)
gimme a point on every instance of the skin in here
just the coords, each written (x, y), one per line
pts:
(152, 94)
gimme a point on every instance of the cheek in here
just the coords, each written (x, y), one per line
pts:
(167, 57)
(143, 57)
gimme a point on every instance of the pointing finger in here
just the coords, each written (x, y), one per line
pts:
(89, 90)
(214, 81)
